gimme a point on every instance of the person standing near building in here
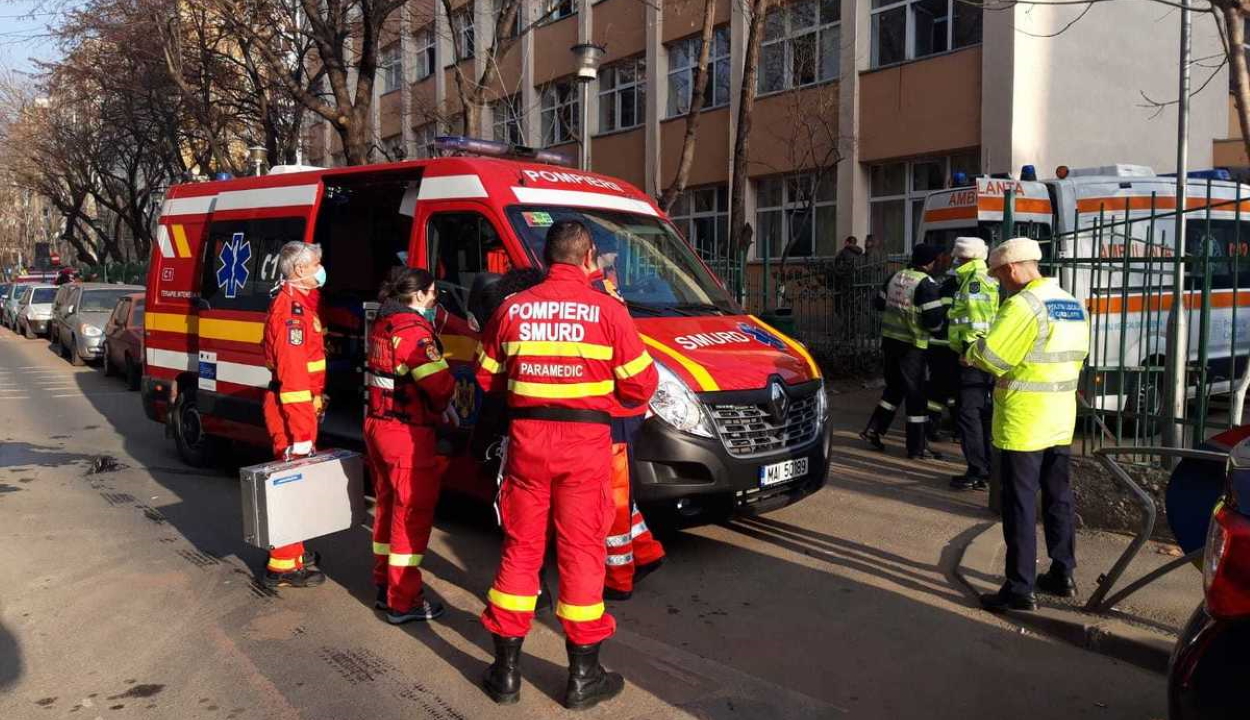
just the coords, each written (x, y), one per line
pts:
(564, 353)
(409, 387)
(845, 264)
(1035, 349)
(973, 310)
(294, 345)
(911, 308)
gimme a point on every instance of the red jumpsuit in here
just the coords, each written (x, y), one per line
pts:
(565, 354)
(630, 543)
(409, 385)
(295, 352)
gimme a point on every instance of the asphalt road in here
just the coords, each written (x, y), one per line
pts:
(130, 594)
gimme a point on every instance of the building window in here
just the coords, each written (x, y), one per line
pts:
(553, 10)
(425, 52)
(683, 62)
(560, 112)
(702, 216)
(802, 44)
(390, 68)
(462, 33)
(393, 148)
(797, 210)
(897, 192)
(423, 138)
(622, 95)
(509, 120)
(909, 29)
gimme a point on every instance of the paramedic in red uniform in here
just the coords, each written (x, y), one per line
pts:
(633, 552)
(295, 353)
(565, 354)
(410, 386)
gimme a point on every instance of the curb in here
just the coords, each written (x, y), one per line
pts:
(1147, 649)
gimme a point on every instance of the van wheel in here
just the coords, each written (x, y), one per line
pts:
(194, 446)
(134, 374)
(1145, 401)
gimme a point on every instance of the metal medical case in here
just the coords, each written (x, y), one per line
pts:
(289, 501)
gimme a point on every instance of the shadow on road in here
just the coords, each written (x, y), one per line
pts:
(10, 659)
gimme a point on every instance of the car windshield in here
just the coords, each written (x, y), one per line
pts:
(101, 300)
(43, 295)
(650, 264)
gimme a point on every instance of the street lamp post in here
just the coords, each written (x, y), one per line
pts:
(257, 156)
(588, 56)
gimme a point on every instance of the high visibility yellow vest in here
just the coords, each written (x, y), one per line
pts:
(974, 307)
(1035, 348)
(901, 319)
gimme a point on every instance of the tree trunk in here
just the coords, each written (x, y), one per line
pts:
(740, 230)
(356, 141)
(698, 98)
(1235, 21)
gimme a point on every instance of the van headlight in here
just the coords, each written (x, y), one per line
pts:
(676, 405)
(822, 401)
(89, 330)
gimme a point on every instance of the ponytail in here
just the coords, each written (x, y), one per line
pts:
(403, 283)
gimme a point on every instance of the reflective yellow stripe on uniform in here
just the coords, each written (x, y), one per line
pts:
(537, 348)
(567, 390)
(317, 365)
(295, 396)
(404, 560)
(421, 372)
(488, 363)
(381, 548)
(633, 367)
(281, 565)
(515, 603)
(579, 613)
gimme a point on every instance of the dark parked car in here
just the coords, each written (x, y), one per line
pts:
(123, 340)
(1211, 661)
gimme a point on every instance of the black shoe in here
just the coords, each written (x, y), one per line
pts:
(379, 602)
(302, 578)
(964, 482)
(610, 593)
(1003, 600)
(502, 680)
(925, 454)
(1056, 583)
(873, 438)
(589, 683)
(642, 571)
(422, 611)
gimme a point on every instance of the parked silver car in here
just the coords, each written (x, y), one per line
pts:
(8, 311)
(78, 317)
(34, 310)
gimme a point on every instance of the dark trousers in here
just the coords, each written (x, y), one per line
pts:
(973, 418)
(943, 377)
(904, 385)
(1023, 473)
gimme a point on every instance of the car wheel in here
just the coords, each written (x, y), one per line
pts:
(194, 445)
(74, 358)
(134, 374)
(106, 364)
(30, 334)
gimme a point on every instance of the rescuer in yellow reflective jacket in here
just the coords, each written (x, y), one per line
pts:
(1035, 348)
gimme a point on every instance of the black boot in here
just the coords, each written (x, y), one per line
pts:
(503, 678)
(589, 683)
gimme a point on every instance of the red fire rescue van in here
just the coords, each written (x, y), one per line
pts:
(740, 420)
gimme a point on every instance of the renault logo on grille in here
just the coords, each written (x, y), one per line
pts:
(778, 403)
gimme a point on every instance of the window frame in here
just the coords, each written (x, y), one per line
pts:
(911, 195)
(419, 134)
(426, 51)
(789, 206)
(909, 8)
(390, 68)
(639, 86)
(508, 115)
(572, 102)
(716, 63)
(788, 39)
(686, 213)
(556, 10)
(463, 33)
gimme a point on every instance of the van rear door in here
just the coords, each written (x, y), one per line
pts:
(239, 269)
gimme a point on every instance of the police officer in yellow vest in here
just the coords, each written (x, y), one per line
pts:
(911, 309)
(1034, 349)
(973, 308)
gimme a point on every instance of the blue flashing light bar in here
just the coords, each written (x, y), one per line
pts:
(959, 179)
(491, 148)
(223, 176)
(1208, 174)
(1028, 173)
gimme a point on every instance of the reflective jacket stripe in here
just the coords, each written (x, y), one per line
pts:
(295, 396)
(381, 548)
(633, 367)
(579, 613)
(488, 363)
(423, 371)
(379, 381)
(568, 390)
(404, 560)
(1063, 386)
(317, 365)
(536, 348)
(515, 603)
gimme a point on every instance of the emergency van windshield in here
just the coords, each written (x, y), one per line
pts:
(651, 265)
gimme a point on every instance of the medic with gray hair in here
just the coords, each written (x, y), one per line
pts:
(1035, 349)
(972, 311)
(295, 353)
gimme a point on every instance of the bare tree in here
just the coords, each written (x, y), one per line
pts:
(698, 98)
(740, 231)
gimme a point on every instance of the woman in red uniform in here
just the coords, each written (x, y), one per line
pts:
(410, 387)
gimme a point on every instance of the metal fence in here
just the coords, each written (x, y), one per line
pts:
(1147, 296)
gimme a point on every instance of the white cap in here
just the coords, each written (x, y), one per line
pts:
(1015, 250)
(969, 248)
